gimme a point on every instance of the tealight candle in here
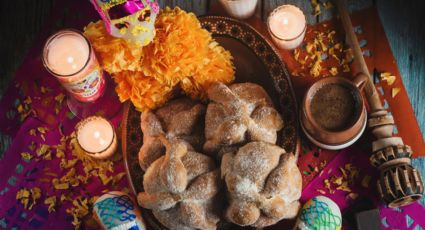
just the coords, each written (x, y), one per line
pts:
(241, 9)
(69, 56)
(96, 136)
(287, 26)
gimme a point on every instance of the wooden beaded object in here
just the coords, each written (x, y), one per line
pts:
(399, 183)
(384, 157)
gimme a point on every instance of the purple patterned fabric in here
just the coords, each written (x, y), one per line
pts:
(16, 173)
(407, 217)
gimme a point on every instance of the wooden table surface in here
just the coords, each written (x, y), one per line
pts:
(22, 20)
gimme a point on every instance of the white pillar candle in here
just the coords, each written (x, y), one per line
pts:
(287, 26)
(96, 136)
(241, 9)
(69, 56)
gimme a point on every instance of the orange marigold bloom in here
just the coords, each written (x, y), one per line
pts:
(182, 54)
(144, 92)
(114, 54)
(217, 67)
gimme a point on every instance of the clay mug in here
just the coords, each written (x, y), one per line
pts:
(341, 138)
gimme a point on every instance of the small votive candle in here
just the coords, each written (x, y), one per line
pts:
(96, 136)
(69, 56)
(287, 25)
(240, 9)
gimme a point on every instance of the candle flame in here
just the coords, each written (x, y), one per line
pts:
(70, 60)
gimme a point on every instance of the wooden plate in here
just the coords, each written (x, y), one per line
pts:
(255, 61)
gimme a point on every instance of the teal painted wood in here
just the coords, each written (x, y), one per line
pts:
(403, 23)
(419, 164)
(405, 28)
(20, 23)
(199, 7)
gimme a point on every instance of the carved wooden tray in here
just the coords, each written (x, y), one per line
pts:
(255, 61)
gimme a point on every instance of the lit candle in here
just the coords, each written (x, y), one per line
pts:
(287, 26)
(69, 56)
(241, 9)
(96, 136)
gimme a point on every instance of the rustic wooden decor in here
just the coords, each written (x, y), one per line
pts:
(399, 184)
(384, 157)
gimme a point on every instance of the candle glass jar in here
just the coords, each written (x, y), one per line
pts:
(290, 33)
(240, 9)
(96, 137)
(69, 56)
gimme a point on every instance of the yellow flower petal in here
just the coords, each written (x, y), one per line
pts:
(395, 91)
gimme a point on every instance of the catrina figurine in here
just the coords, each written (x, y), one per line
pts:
(132, 20)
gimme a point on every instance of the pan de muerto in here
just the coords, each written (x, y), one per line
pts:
(263, 184)
(237, 114)
(178, 119)
(181, 188)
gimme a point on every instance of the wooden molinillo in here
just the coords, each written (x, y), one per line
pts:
(399, 183)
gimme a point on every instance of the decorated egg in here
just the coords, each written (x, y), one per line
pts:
(319, 213)
(132, 20)
(117, 210)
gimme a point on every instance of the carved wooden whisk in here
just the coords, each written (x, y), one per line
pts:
(399, 183)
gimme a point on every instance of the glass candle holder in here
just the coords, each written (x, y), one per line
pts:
(287, 25)
(69, 56)
(96, 137)
(240, 9)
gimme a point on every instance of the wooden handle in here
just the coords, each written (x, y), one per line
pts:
(399, 183)
(371, 93)
(360, 81)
